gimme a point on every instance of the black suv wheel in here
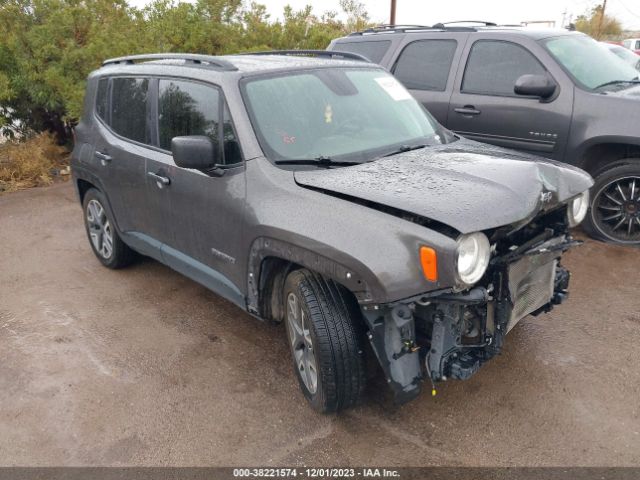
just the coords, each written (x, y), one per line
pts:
(325, 340)
(615, 207)
(103, 237)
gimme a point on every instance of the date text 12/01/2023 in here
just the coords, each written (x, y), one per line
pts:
(315, 473)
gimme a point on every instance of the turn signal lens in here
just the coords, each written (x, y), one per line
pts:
(428, 260)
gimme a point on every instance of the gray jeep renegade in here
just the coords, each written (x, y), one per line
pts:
(317, 192)
(553, 93)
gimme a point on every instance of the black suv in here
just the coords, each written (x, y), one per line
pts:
(318, 192)
(553, 93)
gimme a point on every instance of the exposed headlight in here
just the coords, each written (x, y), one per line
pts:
(474, 252)
(577, 209)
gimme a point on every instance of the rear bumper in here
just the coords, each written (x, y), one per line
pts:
(435, 337)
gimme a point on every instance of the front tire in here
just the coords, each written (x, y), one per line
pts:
(105, 242)
(614, 215)
(325, 338)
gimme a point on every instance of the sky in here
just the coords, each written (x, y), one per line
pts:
(500, 11)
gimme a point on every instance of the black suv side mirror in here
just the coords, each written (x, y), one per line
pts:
(194, 151)
(535, 86)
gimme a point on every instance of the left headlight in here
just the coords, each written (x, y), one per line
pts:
(473, 254)
(577, 209)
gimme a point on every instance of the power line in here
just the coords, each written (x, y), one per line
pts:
(628, 9)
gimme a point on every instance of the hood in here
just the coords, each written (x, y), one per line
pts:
(633, 93)
(466, 185)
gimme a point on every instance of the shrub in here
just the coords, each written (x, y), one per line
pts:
(31, 162)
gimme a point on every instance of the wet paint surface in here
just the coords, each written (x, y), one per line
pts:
(466, 185)
(144, 367)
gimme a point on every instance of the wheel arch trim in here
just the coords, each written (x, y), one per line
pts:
(357, 278)
(583, 159)
(82, 175)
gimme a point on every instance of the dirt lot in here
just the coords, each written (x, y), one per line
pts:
(144, 367)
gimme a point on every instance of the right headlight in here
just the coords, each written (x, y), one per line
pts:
(473, 254)
(577, 209)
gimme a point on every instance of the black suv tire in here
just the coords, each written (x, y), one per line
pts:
(105, 242)
(324, 334)
(612, 202)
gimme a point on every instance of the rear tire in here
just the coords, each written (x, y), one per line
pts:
(325, 337)
(614, 214)
(105, 242)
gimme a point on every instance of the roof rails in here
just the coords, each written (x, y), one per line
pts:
(389, 28)
(317, 53)
(213, 61)
(416, 28)
(479, 22)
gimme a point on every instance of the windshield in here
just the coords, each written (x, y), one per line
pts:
(337, 113)
(627, 55)
(589, 63)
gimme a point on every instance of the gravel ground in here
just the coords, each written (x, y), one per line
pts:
(145, 367)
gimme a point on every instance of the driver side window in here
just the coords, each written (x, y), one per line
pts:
(494, 66)
(189, 108)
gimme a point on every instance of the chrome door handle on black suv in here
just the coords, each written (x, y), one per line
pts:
(160, 179)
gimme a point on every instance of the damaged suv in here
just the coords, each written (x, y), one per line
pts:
(317, 192)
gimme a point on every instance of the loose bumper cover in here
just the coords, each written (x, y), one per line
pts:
(446, 334)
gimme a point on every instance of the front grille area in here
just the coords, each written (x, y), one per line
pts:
(531, 285)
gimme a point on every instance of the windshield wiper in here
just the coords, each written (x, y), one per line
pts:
(321, 161)
(617, 82)
(405, 148)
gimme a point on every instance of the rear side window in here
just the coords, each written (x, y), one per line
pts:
(494, 66)
(425, 64)
(188, 108)
(374, 51)
(102, 99)
(129, 108)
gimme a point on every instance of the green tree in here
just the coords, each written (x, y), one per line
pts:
(594, 24)
(48, 47)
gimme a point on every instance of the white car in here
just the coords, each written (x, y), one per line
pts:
(632, 44)
(628, 56)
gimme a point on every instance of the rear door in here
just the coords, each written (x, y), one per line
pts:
(484, 106)
(123, 144)
(427, 66)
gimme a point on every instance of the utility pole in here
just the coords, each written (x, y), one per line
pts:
(604, 7)
(392, 17)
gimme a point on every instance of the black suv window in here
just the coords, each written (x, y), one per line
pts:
(494, 66)
(374, 51)
(189, 108)
(425, 64)
(102, 99)
(129, 108)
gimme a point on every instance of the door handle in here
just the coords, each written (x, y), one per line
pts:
(103, 157)
(467, 110)
(161, 180)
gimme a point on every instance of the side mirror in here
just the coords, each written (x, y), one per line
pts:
(195, 151)
(535, 86)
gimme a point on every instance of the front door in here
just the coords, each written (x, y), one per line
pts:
(485, 108)
(203, 211)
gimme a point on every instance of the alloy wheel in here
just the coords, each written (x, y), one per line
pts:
(301, 343)
(100, 230)
(616, 210)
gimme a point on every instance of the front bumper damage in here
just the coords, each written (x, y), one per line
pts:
(447, 334)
